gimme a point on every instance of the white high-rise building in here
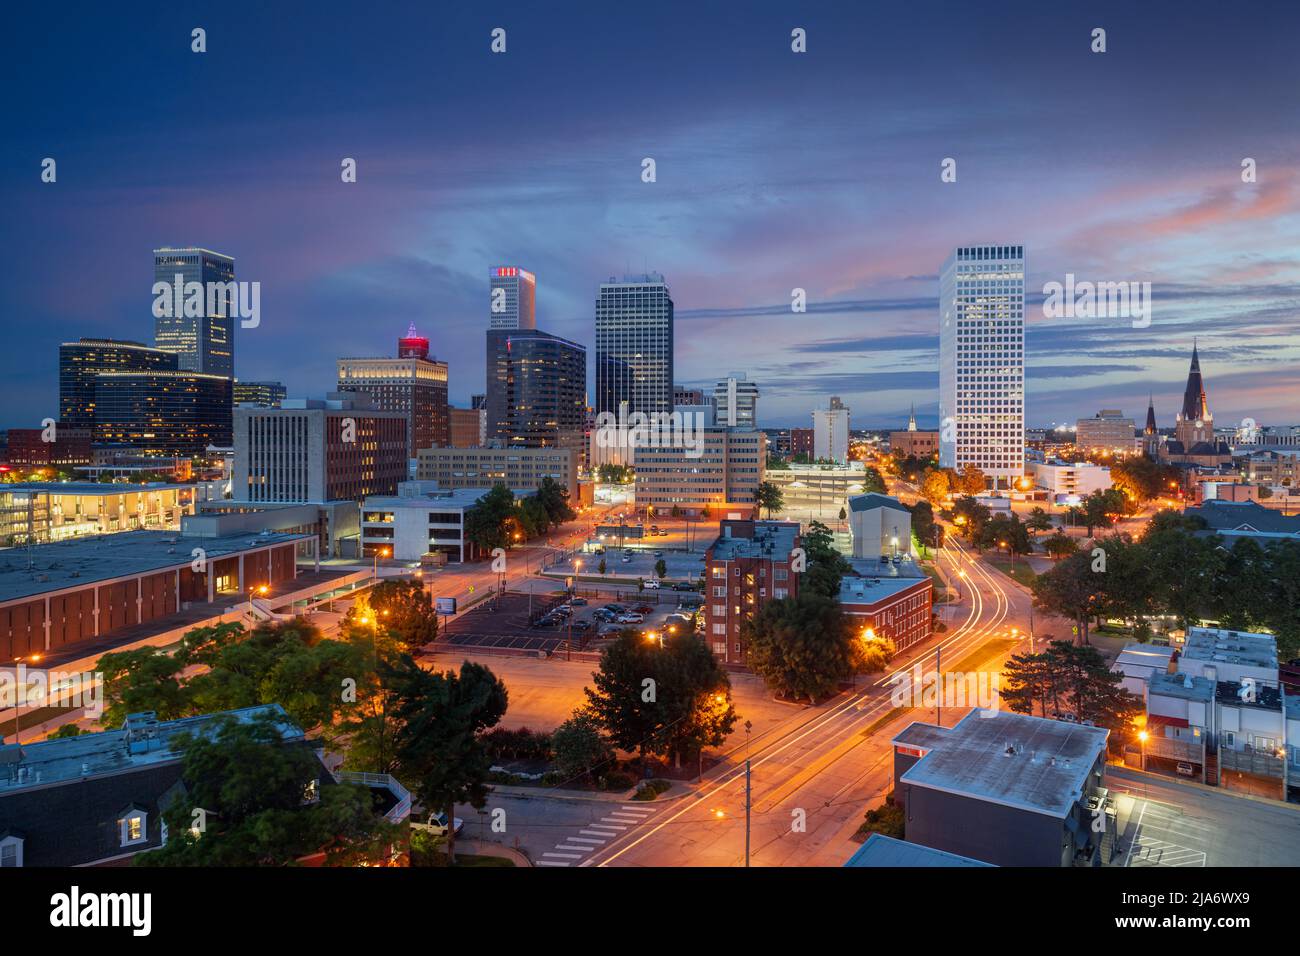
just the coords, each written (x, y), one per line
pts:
(831, 432)
(513, 298)
(736, 402)
(982, 361)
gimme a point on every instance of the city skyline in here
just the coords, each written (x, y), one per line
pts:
(738, 216)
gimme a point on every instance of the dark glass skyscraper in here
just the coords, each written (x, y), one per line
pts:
(162, 412)
(536, 390)
(634, 345)
(81, 361)
(202, 343)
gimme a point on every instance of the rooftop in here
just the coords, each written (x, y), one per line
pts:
(880, 850)
(772, 539)
(921, 734)
(1026, 762)
(1210, 645)
(1181, 686)
(82, 561)
(443, 498)
(873, 499)
(855, 590)
(1245, 516)
(1144, 655)
(90, 487)
(141, 741)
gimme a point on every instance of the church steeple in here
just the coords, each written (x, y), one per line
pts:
(1195, 407)
(1151, 415)
(911, 421)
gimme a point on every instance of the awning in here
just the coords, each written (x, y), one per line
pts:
(1168, 721)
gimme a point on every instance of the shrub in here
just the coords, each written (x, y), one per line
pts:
(617, 780)
(651, 789)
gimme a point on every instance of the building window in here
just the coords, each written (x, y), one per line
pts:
(134, 827)
(11, 849)
(719, 629)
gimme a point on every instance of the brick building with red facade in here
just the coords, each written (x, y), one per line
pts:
(750, 563)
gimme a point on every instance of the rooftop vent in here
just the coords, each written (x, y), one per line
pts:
(1010, 750)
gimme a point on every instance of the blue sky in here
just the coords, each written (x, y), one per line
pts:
(775, 171)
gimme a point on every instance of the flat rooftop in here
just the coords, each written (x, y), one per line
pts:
(855, 590)
(1030, 763)
(920, 734)
(880, 850)
(140, 742)
(91, 487)
(772, 539)
(1144, 655)
(1178, 686)
(443, 498)
(82, 561)
(1209, 645)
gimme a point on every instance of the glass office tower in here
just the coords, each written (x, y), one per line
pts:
(202, 343)
(634, 345)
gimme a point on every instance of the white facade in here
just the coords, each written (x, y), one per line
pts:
(982, 361)
(831, 433)
(881, 526)
(418, 520)
(736, 401)
(514, 307)
(1079, 478)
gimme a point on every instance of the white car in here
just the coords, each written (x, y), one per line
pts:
(652, 585)
(630, 618)
(437, 825)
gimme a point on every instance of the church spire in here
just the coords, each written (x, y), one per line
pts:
(1195, 407)
(911, 420)
(1151, 415)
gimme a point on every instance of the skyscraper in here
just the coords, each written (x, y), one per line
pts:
(206, 342)
(982, 361)
(536, 388)
(634, 345)
(81, 361)
(412, 384)
(514, 306)
(735, 400)
(162, 412)
(831, 432)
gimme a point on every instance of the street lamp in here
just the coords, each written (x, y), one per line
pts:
(35, 658)
(379, 553)
(1142, 739)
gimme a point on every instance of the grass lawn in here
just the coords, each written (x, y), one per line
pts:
(1020, 571)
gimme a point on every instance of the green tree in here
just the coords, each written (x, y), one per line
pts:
(825, 565)
(1183, 565)
(257, 800)
(803, 646)
(600, 568)
(1038, 520)
(935, 485)
(661, 569)
(769, 497)
(923, 523)
(1071, 589)
(441, 715)
(405, 610)
(1059, 544)
(580, 747)
(554, 497)
(486, 523)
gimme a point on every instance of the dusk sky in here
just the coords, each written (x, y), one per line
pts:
(775, 170)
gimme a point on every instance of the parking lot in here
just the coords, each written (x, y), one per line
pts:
(508, 624)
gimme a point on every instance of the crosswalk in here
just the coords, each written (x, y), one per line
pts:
(590, 837)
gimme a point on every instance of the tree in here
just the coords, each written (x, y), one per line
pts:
(579, 746)
(1183, 565)
(1101, 507)
(441, 715)
(1038, 520)
(402, 608)
(1070, 589)
(1059, 544)
(670, 700)
(600, 568)
(661, 569)
(1004, 531)
(803, 646)
(1066, 678)
(923, 525)
(251, 797)
(873, 481)
(935, 486)
(825, 565)
(554, 498)
(486, 522)
(972, 481)
(768, 496)
(971, 516)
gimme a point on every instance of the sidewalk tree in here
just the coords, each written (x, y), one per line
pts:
(972, 481)
(1059, 544)
(803, 647)
(579, 747)
(440, 717)
(768, 496)
(1038, 520)
(1070, 589)
(554, 498)
(661, 569)
(935, 485)
(486, 523)
(404, 609)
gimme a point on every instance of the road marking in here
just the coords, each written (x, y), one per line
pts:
(615, 826)
(623, 818)
(597, 832)
(588, 839)
(566, 846)
(641, 810)
(551, 863)
(565, 856)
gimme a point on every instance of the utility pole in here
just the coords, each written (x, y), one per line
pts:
(938, 687)
(748, 804)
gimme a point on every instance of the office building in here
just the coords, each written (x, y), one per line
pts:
(71, 447)
(896, 604)
(266, 394)
(162, 412)
(687, 396)
(1108, 431)
(982, 362)
(468, 427)
(512, 297)
(81, 361)
(802, 443)
(747, 565)
(52, 511)
(520, 469)
(1006, 788)
(1069, 479)
(735, 400)
(722, 472)
(421, 520)
(309, 450)
(634, 345)
(536, 390)
(412, 384)
(831, 432)
(204, 342)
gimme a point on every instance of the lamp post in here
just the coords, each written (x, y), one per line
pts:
(379, 552)
(18, 697)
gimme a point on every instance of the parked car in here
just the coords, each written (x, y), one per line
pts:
(578, 602)
(1186, 769)
(616, 608)
(437, 824)
(608, 629)
(582, 625)
(654, 529)
(683, 586)
(643, 609)
(630, 618)
(652, 585)
(627, 559)
(659, 554)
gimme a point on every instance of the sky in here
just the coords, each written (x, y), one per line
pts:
(775, 171)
